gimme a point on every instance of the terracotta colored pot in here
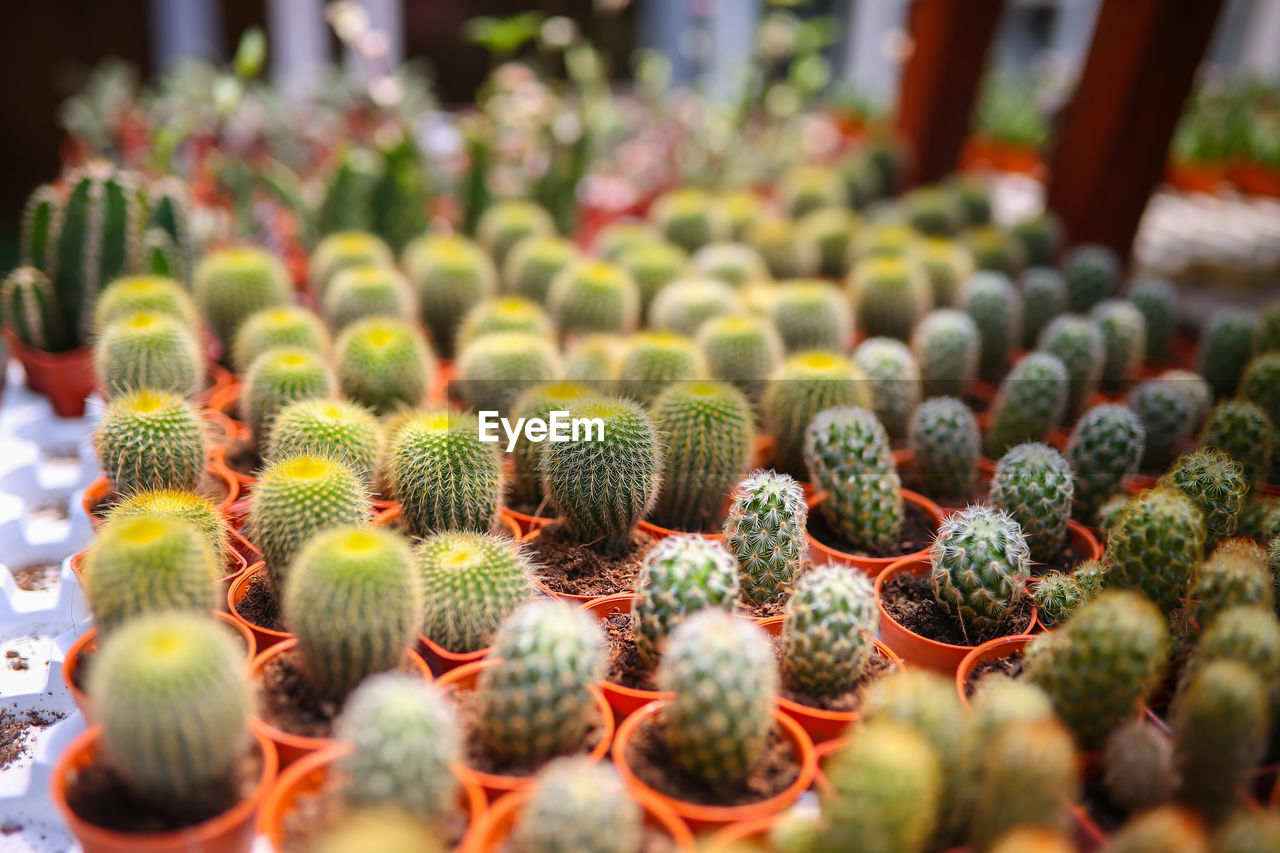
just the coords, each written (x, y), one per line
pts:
(264, 637)
(502, 816)
(289, 746)
(441, 660)
(89, 498)
(101, 488)
(310, 774)
(871, 566)
(624, 701)
(997, 649)
(701, 816)
(225, 399)
(390, 512)
(743, 835)
(230, 832)
(220, 379)
(1084, 540)
(663, 532)
(87, 644)
(914, 649)
(525, 522)
(821, 725)
(66, 378)
(496, 784)
(244, 482)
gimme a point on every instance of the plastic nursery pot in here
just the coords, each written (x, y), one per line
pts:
(86, 645)
(700, 816)
(66, 378)
(390, 512)
(914, 649)
(441, 660)
(1084, 540)
(244, 482)
(658, 532)
(997, 649)
(523, 521)
(264, 637)
(310, 775)
(220, 379)
(496, 784)
(819, 724)
(230, 832)
(871, 566)
(624, 701)
(91, 496)
(291, 747)
(505, 812)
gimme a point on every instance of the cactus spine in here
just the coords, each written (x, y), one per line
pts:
(847, 452)
(979, 561)
(444, 476)
(1243, 430)
(1216, 485)
(151, 439)
(741, 349)
(681, 576)
(945, 445)
(471, 582)
(277, 378)
(1059, 594)
(334, 428)
(1156, 546)
(383, 363)
(1105, 447)
(367, 291)
(290, 326)
(1033, 483)
(146, 350)
(765, 531)
(155, 294)
(826, 631)
(231, 284)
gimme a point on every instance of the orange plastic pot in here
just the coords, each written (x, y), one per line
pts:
(871, 566)
(496, 784)
(264, 637)
(244, 482)
(66, 378)
(225, 398)
(744, 835)
(997, 649)
(289, 746)
(700, 816)
(819, 724)
(505, 811)
(391, 513)
(230, 832)
(1084, 540)
(310, 774)
(624, 701)
(523, 521)
(658, 532)
(914, 649)
(91, 496)
(219, 379)
(441, 660)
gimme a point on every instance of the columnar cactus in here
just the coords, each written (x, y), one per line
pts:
(151, 439)
(367, 291)
(830, 231)
(1078, 343)
(154, 294)
(740, 348)
(1124, 337)
(290, 326)
(979, 562)
(1242, 430)
(945, 445)
(652, 360)
(601, 488)
(167, 503)
(343, 250)
(504, 314)
(947, 349)
(1156, 547)
(805, 384)
(722, 673)
(333, 428)
(732, 263)
(1105, 447)
(148, 350)
(653, 267)
(848, 456)
(147, 564)
(686, 303)
(996, 308)
(506, 223)
(1044, 297)
(1030, 774)
(536, 701)
(689, 217)
(471, 582)
(1138, 770)
(581, 806)
(681, 576)
(707, 430)
(353, 600)
(443, 474)
(1216, 485)
(765, 531)
(827, 630)
(231, 284)
(494, 368)
(890, 295)
(449, 274)
(593, 296)
(812, 314)
(533, 263)
(31, 311)
(383, 363)
(1040, 237)
(1169, 409)
(1033, 484)
(1226, 347)
(1091, 272)
(1157, 301)
(167, 243)
(947, 264)
(1057, 595)
(895, 381)
(1031, 400)
(1235, 574)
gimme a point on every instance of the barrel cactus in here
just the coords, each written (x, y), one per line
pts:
(333, 428)
(1242, 430)
(686, 303)
(173, 503)
(290, 326)
(1156, 546)
(443, 474)
(231, 284)
(367, 291)
(155, 294)
(890, 295)
(277, 378)
(1168, 407)
(895, 381)
(732, 263)
(979, 561)
(653, 266)
(538, 401)
(1226, 347)
(765, 531)
(742, 349)
(151, 439)
(504, 315)
(593, 296)
(449, 274)
(1157, 300)
(830, 232)
(1216, 485)
(652, 360)
(1044, 297)
(947, 350)
(1124, 337)
(1078, 343)
(506, 223)
(689, 217)
(534, 262)
(148, 350)
(494, 368)
(383, 363)
(470, 582)
(805, 384)
(681, 576)
(344, 250)
(1236, 574)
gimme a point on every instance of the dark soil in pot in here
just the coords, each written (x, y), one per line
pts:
(568, 567)
(1010, 666)
(467, 703)
(260, 605)
(848, 701)
(289, 702)
(917, 534)
(908, 598)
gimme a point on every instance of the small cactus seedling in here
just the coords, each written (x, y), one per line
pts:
(1030, 774)
(593, 296)
(685, 304)
(333, 428)
(830, 231)
(1057, 595)
(444, 476)
(1040, 237)
(343, 250)
(765, 531)
(995, 306)
(827, 629)
(471, 582)
(890, 295)
(1124, 338)
(733, 263)
(1166, 829)
(848, 456)
(1031, 400)
(1105, 447)
(895, 381)
(681, 576)
(945, 445)
(1156, 547)
(1168, 407)
(449, 275)
(151, 439)
(1157, 301)
(1242, 430)
(231, 284)
(652, 360)
(741, 348)
(367, 291)
(494, 368)
(537, 701)
(504, 315)
(1138, 770)
(1226, 347)
(1033, 484)
(1216, 485)
(689, 218)
(947, 348)
(505, 224)
(290, 326)
(383, 363)
(277, 378)
(1092, 273)
(653, 267)
(1078, 343)
(1044, 297)
(580, 806)
(1235, 574)
(979, 562)
(812, 314)
(804, 385)
(147, 350)
(154, 294)
(533, 263)
(176, 504)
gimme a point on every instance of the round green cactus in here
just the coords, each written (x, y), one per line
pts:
(277, 378)
(994, 249)
(993, 303)
(1030, 401)
(1138, 769)
(1057, 595)
(1168, 407)
(444, 476)
(847, 453)
(887, 239)
(1030, 773)
(153, 294)
(653, 360)
(947, 348)
(681, 576)
(335, 428)
(449, 274)
(1078, 343)
(1033, 483)
(741, 348)
(504, 224)
(343, 250)
(1216, 485)
(733, 263)
(367, 291)
(148, 350)
(652, 266)
(594, 358)
(805, 384)
(1105, 447)
(895, 381)
(890, 295)
(1044, 297)
(805, 188)
(581, 806)
(689, 217)
(622, 235)
(384, 363)
(742, 208)
(827, 630)
(1157, 301)
(151, 439)
(765, 531)
(1226, 347)
(537, 402)
(830, 231)
(1242, 430)
(173, 503)
(230, 284)
(812, 314)
(778, 241)
(494, 368)
(1248, 633)
(979, 561)
(1124, 336)
(1092, 273)
(945, 445)
(1040, 237)
(933, 210)
(289, 326)
(685, 304)
(592, 296)
(947, 265)
(1156, 546)
(1235, 574)
(471, 582)
(534, 262)
(504, 314)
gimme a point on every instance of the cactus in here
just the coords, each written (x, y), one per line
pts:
(405, 742)
(537, 702)
(1162, 830)
(1156, 546)
(652, 360)
(812, 314)
(154, 294)
(1138, 770)
(449, 274)
(581, 806)
(534, 262)
(994, 249)
(1246, 633)
(847, 453)
(1044, 297)
(1100, 665)
(367, 291)
(1261, 385)
(979, 561)
(886, 239)
(594, 358)
(494, 368)
(1243, 431)
(947, 264)
(1261, 518)
(1030, 401)
(779, 242)
(385, 829)
(1092, 273)
(537, 402)
(1235, 574)
(353, 601)
(971, 195)
(934, 211)
(504, 314)
(169, 226)
(805, 188)
(504, 224)
(947, 349)
(271, 328)
(383, 363)
(742, 209)
(29, 309)
(1078, 343)
(945, 445)
(1266, 337)
(999, 701)
(1226, 347)
(653, 266)
(722, 673)
(1040, 238)
(1216, 485)
(592, 296)
(176, 504)
(830, 231)
(996, 308)
(895, 381)
(1124, 336)
(826, 632)
(296, 499)
(1030, 774)
(689, 218)
(765, 531)
(733, 263)
(146, 564)
(1157, 301)
(151, 439)
(444, 476)
(471, 582)
(681, 576)
(805, 384)
(601, 488)
(889, 295)
(231, 284)
(708, 431)
(334, 428)
(1168, 407)
(1057, 595)
(345, 250)
(277, 378)
(147, 350)
(621, 236)
(171, 693)
(1033, 484)
(1249, 832)
(685, 304)
(742, 349)
(1105, 447)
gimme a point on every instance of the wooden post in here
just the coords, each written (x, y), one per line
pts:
(1115, 133)
(940, 81)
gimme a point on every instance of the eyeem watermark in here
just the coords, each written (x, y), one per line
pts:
(560, 427)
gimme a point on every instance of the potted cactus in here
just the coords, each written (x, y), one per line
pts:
(525, 498)
(944, 447)
(1034, 484)
(765, 533)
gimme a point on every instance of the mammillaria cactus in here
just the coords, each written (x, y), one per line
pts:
(1169, 408)
(537, 402)
(1030, 401)
(945, 445)
(1033, 484)
(1246, 633)
(367, 291)
(947, 264)
(805, 384)
(353, 600)
(1099, 666)
(536, 702)
(1226, 347)
(601, 488)
(581, 806)
(1078, 343)
(277, 378)
(993, 303)
(994, 249)
(1091, 272)
(1030, 774)
(999, 701)
(171, 503)
(733, 263)
(826, 631)
(1235, 574)
(1124, 337)
(533, 263)
(1156, 299)
(765, 531)
(231, 284)
(470, 582)
(979, 562)
(1057, 595)
(830, 231)
(147, 350)
(334, 428)
(1138, 770)
(172, 696)
(686, 303)
(947, 349)
(1156, 546)
(504, 315)
(290, 326)
(1044, 297)
(707, 430)
(890, 295)
(741, 348)
(689, 217)
(155, 294)
(1243, 431)
(151, 439)
(506, 223)
(343, 250)
(147, 564)
(449, 274)
(494, 368)
(443, 474)
(812, 314)
(1105, 447)
(894, 379)
(383, 363)
(593, 296)
(652, 360)
(847, 453)
(681, 576)
(1216, 485)
(1040, 237)
(653, 267)
(722, 673)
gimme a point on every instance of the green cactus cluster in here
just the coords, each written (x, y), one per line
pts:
(1092, 273)
(847, 453)
(933, 210)
(290, 326)
(765, 531)
(1156, 546)
(449, 274)
(742, 208)
(681, 576)
(1105, 446)
(335, 428)
(1034, 484)
(444, 476)
(594, 358)
(1040, 237)
(652, 360)
(805, 188)
(367, 291)
(890, 295)
(741, 348)
(801, 387)
(1243, 431)
(995, 306)
(947, 348)
(812, 314)
(154, 294)
(1044, 297)
(1138, 769)
(1078, 343)
(471, 582)
(994, 249)
(827, 629)
(505, 224)
(1030, 401)
(979, 564)
(894, 379)
(594, 296)
(1226, 347)
(1057, 595)
(622, 235)
(383, 363)
(779, 242)
(534, 262)
(233, 283)
(151, 439)
(537, 402)
(148, 350)
(1248, 633)
(945, 445)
